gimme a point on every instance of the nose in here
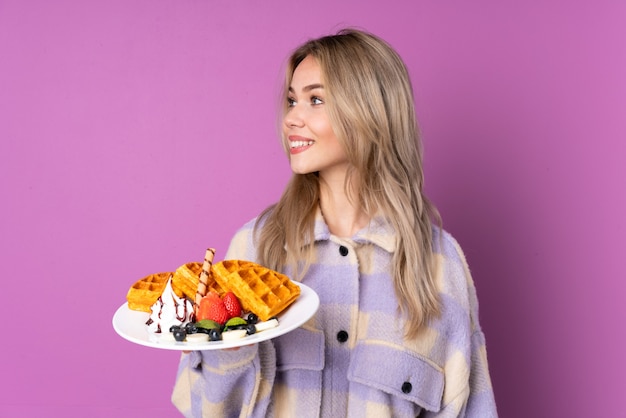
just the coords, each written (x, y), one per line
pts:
(293, 117)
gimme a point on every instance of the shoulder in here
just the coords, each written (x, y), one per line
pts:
(449, 253)
(243, 244)
(452, 272)
(447, 246)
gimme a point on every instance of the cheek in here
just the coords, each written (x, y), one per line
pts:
(285, 144)
(339, 152)
(322, 127)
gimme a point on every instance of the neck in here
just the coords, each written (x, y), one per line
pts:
(342, 213)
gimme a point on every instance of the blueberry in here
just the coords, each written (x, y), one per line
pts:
(191, 328)
(179, 334)
(250, 329)
(174, 328)
(215, 335)
(252, 318)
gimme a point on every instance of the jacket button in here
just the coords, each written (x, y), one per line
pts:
(342, 336)
(343, 251)
(407, 387)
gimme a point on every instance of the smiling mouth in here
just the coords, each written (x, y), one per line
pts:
(300, 144)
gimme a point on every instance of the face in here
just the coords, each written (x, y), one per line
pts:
(312, 143)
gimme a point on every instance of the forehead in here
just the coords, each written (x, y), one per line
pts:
(308, 72)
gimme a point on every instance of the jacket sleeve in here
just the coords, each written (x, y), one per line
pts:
(227, 383)
(480, 402)
(468, 393)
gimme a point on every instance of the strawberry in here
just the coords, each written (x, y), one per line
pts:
(212, 307)
(233, 307)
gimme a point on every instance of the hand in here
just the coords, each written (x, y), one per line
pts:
(227, 349)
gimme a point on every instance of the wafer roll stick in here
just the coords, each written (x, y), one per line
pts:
(204, 275)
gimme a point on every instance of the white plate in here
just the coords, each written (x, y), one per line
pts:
(131, 325)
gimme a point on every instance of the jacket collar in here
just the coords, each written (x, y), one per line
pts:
(378, 232)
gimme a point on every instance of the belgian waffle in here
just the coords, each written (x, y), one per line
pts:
(145, 292)
(185, 281)
(260, 290)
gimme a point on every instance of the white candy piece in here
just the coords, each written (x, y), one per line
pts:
(262, 326)
(197, 338)
(234, 334)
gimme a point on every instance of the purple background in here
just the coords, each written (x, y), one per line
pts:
(134, 134)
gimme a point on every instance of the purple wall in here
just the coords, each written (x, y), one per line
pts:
(135, 134)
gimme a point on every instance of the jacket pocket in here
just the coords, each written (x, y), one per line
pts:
(397, 372)
(302, 348)
(299, 364)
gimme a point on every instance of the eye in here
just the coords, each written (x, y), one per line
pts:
(291, 102)
(316, 100)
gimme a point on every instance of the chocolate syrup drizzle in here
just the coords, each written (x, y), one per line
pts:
(179, 317)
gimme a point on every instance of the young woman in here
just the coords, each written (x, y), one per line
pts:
(397, 332)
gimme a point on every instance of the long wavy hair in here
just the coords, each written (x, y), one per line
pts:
(371, 108)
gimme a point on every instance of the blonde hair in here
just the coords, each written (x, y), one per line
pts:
(371, 108)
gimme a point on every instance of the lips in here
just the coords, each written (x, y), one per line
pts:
(299, 144)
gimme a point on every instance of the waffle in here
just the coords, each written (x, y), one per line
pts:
(145, 292)
(260, 290)
(185, 281)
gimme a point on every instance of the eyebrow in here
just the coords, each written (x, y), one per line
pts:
(309, 87)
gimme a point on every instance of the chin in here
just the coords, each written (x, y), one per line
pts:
(301, 170)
